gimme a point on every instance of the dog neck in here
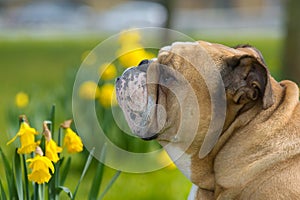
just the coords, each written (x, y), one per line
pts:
(202, 170)
(235, 170)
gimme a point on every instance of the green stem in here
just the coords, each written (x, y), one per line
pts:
(36, 191)
(42, 191)
(57, 167)
(52, 184)
(25, 177)
(56, 183)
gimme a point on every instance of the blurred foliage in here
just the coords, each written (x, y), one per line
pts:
(291, 58)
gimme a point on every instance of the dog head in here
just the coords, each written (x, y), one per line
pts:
(169, 98)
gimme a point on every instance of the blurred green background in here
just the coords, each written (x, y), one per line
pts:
(41, 58)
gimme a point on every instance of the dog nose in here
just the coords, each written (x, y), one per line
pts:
(144, 62)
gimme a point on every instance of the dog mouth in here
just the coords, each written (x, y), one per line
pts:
(153, 137)
(138, 96)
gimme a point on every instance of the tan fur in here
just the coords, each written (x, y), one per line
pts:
(258, 153)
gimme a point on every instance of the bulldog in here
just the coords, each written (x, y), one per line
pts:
(232, 129)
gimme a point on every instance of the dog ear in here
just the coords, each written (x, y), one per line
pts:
(249, 80)
(262, 70)
(268, 98)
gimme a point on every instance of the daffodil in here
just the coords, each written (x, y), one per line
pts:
(107, 97)
(51, 147)
(129, 37)
(131, 51)
(133, 57)
(52, 150)
(40, 166)
(107, 71)
(89, 90)
(27, 137)
(71, 140)
(22, 99)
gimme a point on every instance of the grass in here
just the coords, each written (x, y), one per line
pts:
(40, 68)
(36, 67)
(166, 184)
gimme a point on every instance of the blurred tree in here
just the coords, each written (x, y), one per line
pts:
(223, 4)
(291, 59)
(169, 5)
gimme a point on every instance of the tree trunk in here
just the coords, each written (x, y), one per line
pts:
(291, 59)
(170, 5)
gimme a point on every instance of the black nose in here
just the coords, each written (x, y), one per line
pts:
(144, 62)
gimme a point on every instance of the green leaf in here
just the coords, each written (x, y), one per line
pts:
(66, 190)
(86, 166)
(53, 183)
(51, 186)
(43, 143)
(18, 175)
(59, 138)
(96, 185)
(2, 191)
(56, 183)
(64, 171)
(9, 177)
(52, 119)
(111, 182)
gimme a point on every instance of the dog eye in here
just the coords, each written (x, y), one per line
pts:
(167, 79)
(144, 62)
(167, 76)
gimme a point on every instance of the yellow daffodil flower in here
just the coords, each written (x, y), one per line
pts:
(71, 140)
(133, 58)
(26, 134)
(107, 96)
(107, 71)
(51, 147)
(89, 90)
(40, 166)
(131, 52)
(129, 37)
(22, 99)
(52, 150)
